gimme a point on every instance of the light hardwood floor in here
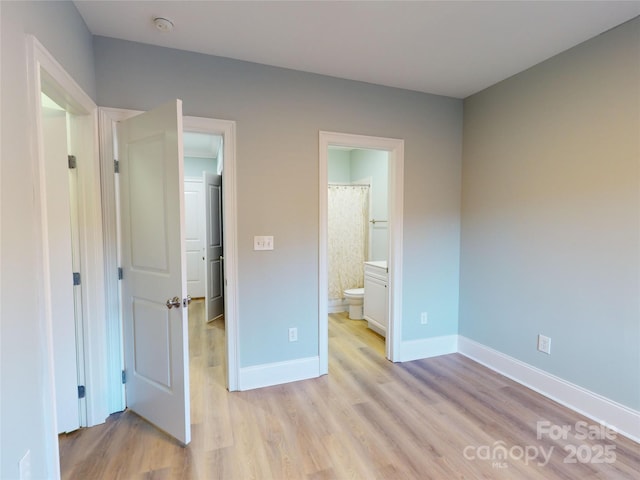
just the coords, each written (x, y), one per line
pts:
(369, 418)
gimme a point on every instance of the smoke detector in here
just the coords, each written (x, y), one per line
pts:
(163, 24)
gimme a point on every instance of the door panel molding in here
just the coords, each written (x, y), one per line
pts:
(153, 261)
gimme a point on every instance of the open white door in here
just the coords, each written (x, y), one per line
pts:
(154, 290)
(214, 305)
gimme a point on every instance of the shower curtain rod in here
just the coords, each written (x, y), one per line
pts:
(349, 184)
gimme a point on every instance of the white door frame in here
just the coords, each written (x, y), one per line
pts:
(108, 119)
(395, 147)
(45, 74)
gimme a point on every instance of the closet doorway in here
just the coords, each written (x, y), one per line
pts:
(68, 221)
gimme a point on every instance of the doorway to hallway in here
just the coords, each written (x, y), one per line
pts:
(225, 199)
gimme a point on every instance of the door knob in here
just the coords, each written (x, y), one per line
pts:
(174, 302)
(186, 301)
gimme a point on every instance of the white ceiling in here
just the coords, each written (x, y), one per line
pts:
(453, 48)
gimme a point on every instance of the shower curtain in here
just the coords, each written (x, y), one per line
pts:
(348, 229)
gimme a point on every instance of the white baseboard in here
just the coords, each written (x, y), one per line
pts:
(427, 347)
(337, 306)
(620, 418)
(278, 372)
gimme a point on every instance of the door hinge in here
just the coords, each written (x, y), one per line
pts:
(116, 166)
(72, 161)
(81, 391)
(124, 376)
(120, 273)
(76, 278)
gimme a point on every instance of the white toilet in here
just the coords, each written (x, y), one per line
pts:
(355, 298)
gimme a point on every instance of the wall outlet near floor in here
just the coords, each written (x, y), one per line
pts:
(293, 334)
(424, 318)
(544, 344)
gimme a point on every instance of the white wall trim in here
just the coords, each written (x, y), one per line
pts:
(623, 419)
(227, 129)
(276, 373)
(395, 147)
(337, 306)
(108, 118)
(428, 347)
(46, 74)
(34, 48)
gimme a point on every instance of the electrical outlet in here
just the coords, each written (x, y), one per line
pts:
(424, 319)
(544, 344)
(293, 334)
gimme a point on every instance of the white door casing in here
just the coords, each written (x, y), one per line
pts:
(153, 260)
(214, 304)
(109, 117)
(194, 236)
(395, 147)
(45, 74)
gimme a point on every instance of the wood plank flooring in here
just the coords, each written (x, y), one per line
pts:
(439, 418)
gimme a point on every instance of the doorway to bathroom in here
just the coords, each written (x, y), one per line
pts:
(357, 239)
(366, 172)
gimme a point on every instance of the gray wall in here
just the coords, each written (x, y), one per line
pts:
(550, 210)
(339, 166)
(375, 164)
(550, 215)
(194, 166)
(279, 113)
(26, 407)
(348, 166)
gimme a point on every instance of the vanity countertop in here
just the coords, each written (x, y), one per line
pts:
(377, 263)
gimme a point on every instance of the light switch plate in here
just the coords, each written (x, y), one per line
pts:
(263, 242)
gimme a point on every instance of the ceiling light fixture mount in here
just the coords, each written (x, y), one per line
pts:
(163, 24)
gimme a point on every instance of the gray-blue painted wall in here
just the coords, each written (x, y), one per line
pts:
(550, 212)
(551, 215)
(279, 113)
(27, 416)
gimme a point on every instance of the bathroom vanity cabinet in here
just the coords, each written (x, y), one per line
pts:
(376, 296)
